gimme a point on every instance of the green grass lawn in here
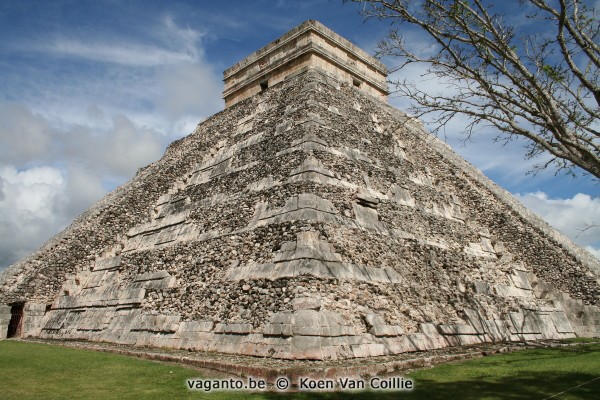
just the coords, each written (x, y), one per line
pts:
(40, 371)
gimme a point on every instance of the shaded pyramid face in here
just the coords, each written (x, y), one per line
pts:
(310, 221)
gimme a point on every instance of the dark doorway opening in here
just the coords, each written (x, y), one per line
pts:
(16, 320)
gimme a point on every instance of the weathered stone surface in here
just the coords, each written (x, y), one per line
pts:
(4, 320)
(310, 221)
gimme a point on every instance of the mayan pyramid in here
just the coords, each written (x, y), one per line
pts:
(307, 220)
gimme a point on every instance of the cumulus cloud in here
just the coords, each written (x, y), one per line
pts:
(117, 149)
(577, 217)
(27, 216)
(23, 135)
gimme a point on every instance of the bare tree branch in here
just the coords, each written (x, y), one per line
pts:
(587, 227)
(541, 85)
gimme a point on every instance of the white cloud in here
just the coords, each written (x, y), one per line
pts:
(156, 80)
(23, 135)
(119, 53)
(117, 150)
(594, 251)
(570, 216)
(31, 190)
(45, 185)
(73, 130)
(169, 45)
(27, 216)
(190, 89)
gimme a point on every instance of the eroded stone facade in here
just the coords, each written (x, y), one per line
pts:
(309, 221)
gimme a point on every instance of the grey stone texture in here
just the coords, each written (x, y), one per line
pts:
(4, 320)
(310, 221)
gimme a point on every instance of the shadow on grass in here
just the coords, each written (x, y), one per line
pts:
(533, 386)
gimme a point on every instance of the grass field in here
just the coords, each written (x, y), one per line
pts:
(40, 371)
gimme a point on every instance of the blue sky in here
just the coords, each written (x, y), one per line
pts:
(92, 90)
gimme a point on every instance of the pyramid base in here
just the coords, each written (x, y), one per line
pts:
(299, 335)
(270, 369)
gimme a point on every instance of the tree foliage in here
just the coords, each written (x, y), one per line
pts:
(536, 77)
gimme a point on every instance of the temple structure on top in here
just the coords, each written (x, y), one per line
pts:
(310, 44)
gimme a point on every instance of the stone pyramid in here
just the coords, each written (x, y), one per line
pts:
(308, 220)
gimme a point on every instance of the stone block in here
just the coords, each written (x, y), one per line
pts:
(233, 328)
(150, 276)
(281, 318)
(195, 326)
(511, 291)
(107, 263)
(4, 320)
(561, 322)
(307, 330)
(500, 249)
(306, 303)
(386, 330)
(476, 250)
(401, 196)
(498, 330)
(306, 348)
(56, 320)
(468, 340)
(475, 320)
(482, 288)
(520, 280)
(457, 329)
(486, 245)
(374, 319)
(525, 323)
(366, 199)
(288, 246)
(307, 318)
(421, 341)
(367, 217)
(34, 309)
(429, 329)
